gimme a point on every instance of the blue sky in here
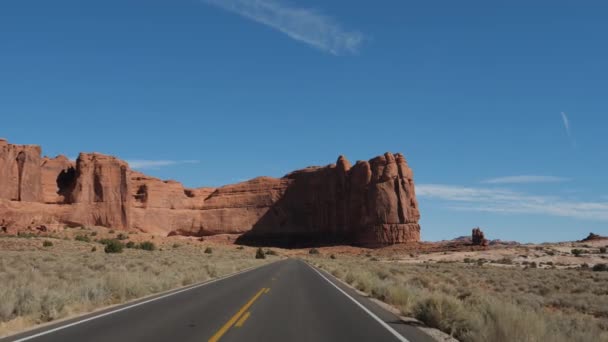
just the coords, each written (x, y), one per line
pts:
(501, 110)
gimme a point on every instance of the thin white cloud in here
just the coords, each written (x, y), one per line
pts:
(566, 122)
(525, 179)
(304, 25)
(156, 164)
(508, 201)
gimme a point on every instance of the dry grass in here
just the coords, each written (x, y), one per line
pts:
(41, 284)
(485, 303)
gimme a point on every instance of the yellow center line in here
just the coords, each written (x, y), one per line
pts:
(243, 319)
(235, 318)
(267, 290)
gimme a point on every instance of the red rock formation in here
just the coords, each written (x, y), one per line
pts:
(370, 203)
(478, 238)
(101, 194)
(594, 237)
(20, 172)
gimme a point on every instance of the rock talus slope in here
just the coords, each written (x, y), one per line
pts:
(369, 203)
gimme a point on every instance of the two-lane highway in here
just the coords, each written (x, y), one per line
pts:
(283, 301)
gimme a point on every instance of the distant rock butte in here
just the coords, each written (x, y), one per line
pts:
(478, 238)
(371, 203)
(594, 237)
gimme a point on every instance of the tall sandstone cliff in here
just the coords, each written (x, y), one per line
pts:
(372, 203)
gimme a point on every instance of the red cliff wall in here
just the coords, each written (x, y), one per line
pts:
(370, 203)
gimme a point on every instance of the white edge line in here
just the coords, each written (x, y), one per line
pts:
(134, 305)
(386, 326)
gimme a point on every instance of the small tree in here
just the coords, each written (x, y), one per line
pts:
(259, 254)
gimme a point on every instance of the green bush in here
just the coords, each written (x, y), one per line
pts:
(130, 244)
(259, 254)
(114, 246)
(208, 250)
(577, 252)
(600, 268)
(122, 236)
(47, 243)
(147, 246)
(83, 238)
(313, 251)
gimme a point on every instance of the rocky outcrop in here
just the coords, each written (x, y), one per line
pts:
(371, 203)
(478, 238)
(594, 237)
(101, 192)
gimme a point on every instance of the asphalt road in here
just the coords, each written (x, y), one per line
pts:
(283, 301)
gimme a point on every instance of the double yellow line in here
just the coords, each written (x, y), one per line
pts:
(239, 318)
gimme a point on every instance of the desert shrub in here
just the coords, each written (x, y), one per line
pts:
(333, 256)
(130, 244)
(259, 254)
(600, 268)
(577, 252)
(603, 250)
(47, 243)
(122, 236)
(94, 234)
(176, 245)
(208, 250)
(113, 246)
(147, 246)
(505, 261)
(271, 252)
(83, 238)
(444, 313)
(240, 247)
(111, 231)
(94, 249)
(313, 251)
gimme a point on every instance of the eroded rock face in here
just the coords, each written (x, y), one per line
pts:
(58, 179)
(371, 203)
(20, 172)
(101, 194)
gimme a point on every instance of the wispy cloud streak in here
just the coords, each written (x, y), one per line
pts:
(304, 25)
(507, 201)
(156, 164)
(566, 122)
(525, 179)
